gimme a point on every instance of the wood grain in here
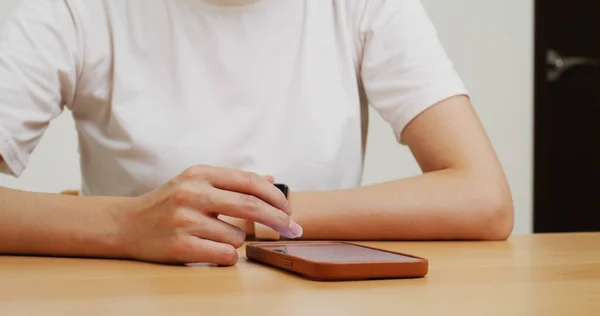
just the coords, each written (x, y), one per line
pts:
(555, 274)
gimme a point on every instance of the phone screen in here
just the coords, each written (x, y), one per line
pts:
(338, 252)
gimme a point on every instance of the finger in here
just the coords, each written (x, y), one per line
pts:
(217, 230)
(244, 182)
(244, 224)
(197, 250)
(249, 207)
(239, 205)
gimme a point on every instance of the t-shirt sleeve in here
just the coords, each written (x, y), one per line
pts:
(404, 68)
(38, 49)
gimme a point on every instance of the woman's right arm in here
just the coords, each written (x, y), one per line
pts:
(61, 225)
(176, 223)
(39, 57)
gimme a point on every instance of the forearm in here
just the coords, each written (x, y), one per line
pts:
(59, 225)
(440, 205)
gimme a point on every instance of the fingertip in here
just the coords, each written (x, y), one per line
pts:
(239, 241)
(293, 232)
(208, 251)
(229, 255)
(296, 229)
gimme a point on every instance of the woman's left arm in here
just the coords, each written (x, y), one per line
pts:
(461, 195)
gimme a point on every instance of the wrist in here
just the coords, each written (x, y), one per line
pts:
(93, 227)
(119, 238)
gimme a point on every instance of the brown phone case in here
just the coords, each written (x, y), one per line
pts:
(265, 253)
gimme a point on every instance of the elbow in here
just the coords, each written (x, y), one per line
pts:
(495, 215)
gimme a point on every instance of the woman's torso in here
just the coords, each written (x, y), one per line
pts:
(271, 87)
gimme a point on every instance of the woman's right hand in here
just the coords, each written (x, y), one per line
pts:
(178, 222)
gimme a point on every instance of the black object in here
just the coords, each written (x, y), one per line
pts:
(567, 112)
(283, 188)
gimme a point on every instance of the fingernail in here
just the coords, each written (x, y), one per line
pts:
(295, 229)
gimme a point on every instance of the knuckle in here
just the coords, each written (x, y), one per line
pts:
(189, 173)
(182, 219)
(187, 195)
(180, 196)
(203, 198)
(282, 221)
(193, 172)
(276, 220)
(172, 183)
(252, 179)
(250, 202)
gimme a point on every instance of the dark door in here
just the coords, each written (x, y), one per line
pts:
(567, 116)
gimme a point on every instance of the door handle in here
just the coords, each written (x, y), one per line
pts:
(557, 64)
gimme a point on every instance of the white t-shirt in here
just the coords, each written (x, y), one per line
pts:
(271, 86)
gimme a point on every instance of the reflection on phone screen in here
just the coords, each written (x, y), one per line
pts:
(338, 252)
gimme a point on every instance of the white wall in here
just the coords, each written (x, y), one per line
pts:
(491, 43)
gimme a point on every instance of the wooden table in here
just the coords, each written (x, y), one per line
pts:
(528, 275)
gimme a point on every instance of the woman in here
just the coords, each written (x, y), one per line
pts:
(188, 111)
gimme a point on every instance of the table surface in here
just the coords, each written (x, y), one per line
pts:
(553, 274)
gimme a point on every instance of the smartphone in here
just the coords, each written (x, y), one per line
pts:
(337, 261)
